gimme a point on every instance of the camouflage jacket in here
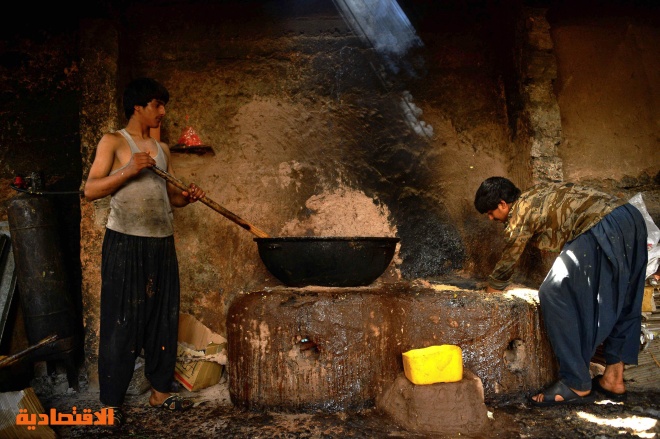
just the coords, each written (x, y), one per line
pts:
(548, 216)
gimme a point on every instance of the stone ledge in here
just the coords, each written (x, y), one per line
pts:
(335, 349)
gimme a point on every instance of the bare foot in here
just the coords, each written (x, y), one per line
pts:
(157, 398)
(169, 401)
(612, 378)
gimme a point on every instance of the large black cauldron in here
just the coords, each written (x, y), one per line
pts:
(326, 261)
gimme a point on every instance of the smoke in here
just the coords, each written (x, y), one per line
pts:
(412, 113)
(382, 23)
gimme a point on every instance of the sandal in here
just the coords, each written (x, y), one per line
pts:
(118, 417)
(176, 403)
(617, 397)
(561, 389)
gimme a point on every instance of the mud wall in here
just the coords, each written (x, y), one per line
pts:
(608, 90)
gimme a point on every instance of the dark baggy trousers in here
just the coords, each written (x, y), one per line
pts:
(593, 295)
(139, 311)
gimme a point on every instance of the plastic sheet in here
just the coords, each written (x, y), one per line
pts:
(653, 237)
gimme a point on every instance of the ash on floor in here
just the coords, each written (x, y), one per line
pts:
(214, 416)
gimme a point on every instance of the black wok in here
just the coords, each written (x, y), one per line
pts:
(327, 261)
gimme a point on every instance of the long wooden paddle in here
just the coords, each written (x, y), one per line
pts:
(212, 204)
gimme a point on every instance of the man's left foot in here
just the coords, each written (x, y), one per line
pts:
(598, 387)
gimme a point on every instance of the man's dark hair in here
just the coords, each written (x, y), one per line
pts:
(140, 92)
(492, 190)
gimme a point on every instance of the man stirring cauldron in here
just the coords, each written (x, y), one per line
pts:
(139, 268)
(593, 292)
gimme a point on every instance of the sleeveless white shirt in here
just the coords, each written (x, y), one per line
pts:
(141, 207)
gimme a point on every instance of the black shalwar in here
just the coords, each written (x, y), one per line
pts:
(139, 311)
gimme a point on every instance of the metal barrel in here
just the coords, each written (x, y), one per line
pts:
(41, 276)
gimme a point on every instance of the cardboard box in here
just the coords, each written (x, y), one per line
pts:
(648, 302)
(196, 340)
(11, 404)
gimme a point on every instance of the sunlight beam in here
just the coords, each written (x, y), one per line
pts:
(638, 425)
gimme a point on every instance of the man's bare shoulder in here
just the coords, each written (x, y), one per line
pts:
(111, 142)
(112, 136)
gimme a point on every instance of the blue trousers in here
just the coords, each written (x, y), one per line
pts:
(593, 295)
(139, 311)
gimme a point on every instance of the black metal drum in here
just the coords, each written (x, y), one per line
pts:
(41, 276)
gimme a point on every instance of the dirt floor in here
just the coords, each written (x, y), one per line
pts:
(215, 417)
